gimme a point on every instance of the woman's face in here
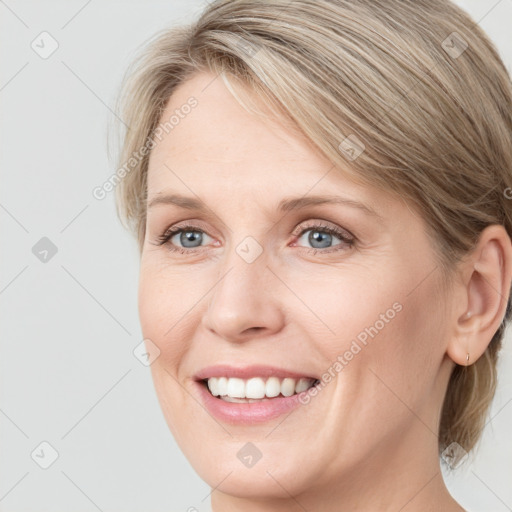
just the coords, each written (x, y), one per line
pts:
(346, 292)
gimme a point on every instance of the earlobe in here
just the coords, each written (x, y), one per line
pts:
(462, 349)
(486, 289)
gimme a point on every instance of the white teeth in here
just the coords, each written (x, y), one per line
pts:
(272, 387)
(257, 387)
(213, 386)
(302, 385)
(222, 386)
(288, 387)
(236, 388)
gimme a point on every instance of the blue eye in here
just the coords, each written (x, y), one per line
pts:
(323, 237)
(189, 236)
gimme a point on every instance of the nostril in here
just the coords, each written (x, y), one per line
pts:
(253, 329)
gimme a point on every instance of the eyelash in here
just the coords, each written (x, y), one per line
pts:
(347, 239)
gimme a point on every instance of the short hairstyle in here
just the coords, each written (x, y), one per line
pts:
(412, 95)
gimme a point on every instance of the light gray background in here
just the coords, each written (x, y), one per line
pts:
(69, 326)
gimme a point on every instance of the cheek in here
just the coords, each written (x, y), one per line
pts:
(152, 303)
(402, 341)
(381, 323)
(164, 312)
(165, 295)
(417, 337)
(346, 307)
(383, 362)
(163, 319)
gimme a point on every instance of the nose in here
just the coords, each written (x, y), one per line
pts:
(245, 301)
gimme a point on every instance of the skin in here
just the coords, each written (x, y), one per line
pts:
(368, 440)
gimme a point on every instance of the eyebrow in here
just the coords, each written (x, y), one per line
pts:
(285, 205)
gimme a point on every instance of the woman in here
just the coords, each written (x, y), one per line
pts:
(321, 191)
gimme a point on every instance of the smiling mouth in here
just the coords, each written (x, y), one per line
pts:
(256, 389)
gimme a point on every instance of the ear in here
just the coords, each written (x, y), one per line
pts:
(486, 281)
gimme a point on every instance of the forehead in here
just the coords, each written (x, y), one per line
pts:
(220, 149)
(219, 129)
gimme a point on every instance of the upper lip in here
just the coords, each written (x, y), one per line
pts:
(247, 372)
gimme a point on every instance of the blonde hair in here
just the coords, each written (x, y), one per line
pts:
(417, 86)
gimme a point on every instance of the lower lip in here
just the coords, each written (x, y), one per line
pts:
(247, 413)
